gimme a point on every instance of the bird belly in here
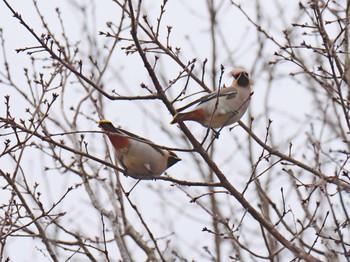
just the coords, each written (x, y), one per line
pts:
(224, 115)
(136, 168)
(219, 120)
(144, 163)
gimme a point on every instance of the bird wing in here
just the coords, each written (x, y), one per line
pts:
(232, 93)
(109, 127)
(229, 95)
(141, 140)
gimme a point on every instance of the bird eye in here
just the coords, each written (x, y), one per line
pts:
(240, 73)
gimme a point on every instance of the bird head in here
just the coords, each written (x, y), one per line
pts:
(241, 76)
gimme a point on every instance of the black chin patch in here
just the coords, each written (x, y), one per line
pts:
(243, 79)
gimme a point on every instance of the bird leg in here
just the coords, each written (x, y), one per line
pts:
(205, 137)
(128, 193)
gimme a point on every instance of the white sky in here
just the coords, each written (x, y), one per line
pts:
(287, 100)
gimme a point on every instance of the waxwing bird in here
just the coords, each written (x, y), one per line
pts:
(140, 158)
(220, 108)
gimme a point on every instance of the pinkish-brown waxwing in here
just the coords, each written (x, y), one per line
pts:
(140, 158)
(223, 107)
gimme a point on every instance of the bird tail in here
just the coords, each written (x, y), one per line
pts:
(107, 125)
(177, 118)
(172, 159)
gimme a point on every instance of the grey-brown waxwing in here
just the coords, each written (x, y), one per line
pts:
(223, 107)
(140, 158)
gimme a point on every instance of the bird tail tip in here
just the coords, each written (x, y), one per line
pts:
(107, 125)
(103, 121)
(175, 119)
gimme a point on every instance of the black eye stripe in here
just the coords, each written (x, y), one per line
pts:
(236, 76)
